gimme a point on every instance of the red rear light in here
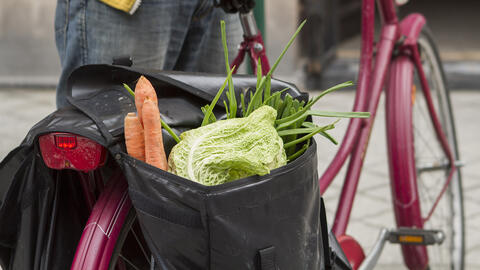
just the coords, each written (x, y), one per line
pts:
(65, 141)
(70, 151)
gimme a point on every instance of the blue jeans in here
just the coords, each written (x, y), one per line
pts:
(161, 34)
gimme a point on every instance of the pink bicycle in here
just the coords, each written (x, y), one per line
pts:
(423, 157)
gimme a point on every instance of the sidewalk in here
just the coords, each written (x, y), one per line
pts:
(23, 108)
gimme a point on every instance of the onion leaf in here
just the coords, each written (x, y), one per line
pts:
(308, 106)
(308, 136)
(298, 153)
(231, 90)
(206, 118)
(339, 114)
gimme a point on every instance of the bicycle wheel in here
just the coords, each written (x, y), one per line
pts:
(419, 167)
(112, 238)
(131, 250)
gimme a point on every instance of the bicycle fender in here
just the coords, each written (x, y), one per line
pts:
(402, 170)
(410, 28)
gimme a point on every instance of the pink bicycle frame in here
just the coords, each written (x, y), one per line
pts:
(369, 88)
(371, 81)
(252, 44)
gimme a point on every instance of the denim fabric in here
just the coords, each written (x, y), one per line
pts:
(161, 34)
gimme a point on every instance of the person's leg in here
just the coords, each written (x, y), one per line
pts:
(211, 58)
(69, 42)
(202, 50)
(90, 32)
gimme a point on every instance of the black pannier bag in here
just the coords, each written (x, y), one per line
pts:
(276, 221)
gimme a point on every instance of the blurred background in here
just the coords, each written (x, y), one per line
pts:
(326, 53)
(330, 40)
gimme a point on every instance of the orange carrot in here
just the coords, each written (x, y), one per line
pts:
(143, 90)
(154, 151)
(134, 137)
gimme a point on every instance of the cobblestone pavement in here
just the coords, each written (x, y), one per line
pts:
(372, 209)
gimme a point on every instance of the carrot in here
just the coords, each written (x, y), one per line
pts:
(143, 90)
(134, 137)
(154, 151)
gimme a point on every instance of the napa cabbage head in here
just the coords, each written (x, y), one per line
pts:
(229, 149)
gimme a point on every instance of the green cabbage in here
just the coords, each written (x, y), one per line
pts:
(229, 149)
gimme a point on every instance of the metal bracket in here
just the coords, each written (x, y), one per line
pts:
(400, 236)
(374, 254)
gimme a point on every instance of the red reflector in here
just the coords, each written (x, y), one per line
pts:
(66, 141)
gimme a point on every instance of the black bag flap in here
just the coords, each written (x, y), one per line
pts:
(91, 78)
(97, 90)
(65, 120)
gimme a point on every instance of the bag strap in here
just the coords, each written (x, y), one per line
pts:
(110, 142)
(324, 234)
(267, 258)
(109, 139)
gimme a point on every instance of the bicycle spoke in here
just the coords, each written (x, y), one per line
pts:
(429, 197)
(128, 261)
(426, 142)
(141, 245)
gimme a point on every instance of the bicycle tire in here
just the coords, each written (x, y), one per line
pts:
(110, 226)
(103, 227)
(407, 152)
(130, 251)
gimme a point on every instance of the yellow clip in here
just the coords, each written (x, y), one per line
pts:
(129, 6)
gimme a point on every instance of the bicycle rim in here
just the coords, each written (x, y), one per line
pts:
(432, 164)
